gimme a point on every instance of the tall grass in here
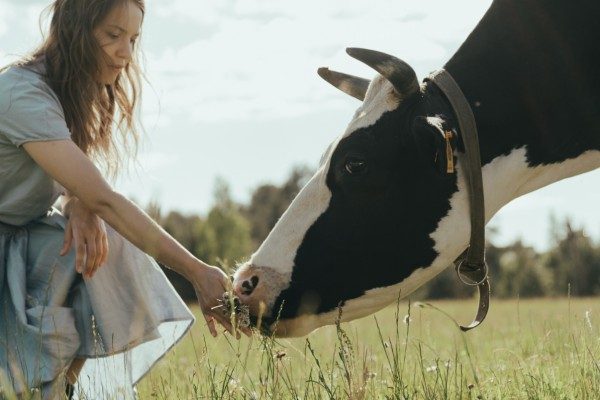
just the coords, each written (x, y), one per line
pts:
(536, 349)
(539, 349)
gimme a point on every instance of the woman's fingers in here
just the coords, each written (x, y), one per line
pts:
(105, 247)
(226, 323)
(99, 251)
(79, 254)
(90, 257)
(92, 250)
(210, 322)
(68, 240)
(227, 287)
(96, 253)
(211, 283)
(87, 233)
(100, 256)
(211, 318)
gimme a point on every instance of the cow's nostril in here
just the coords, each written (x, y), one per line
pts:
(248, 286)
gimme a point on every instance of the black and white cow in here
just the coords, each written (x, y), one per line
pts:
(381, 216)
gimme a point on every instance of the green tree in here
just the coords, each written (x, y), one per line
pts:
(269, 202)
(226, 234)
(222, 238)
(574, 260)
(518, 271)
(514, 270)
(185, 229)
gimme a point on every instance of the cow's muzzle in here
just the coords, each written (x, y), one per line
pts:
(258, 288)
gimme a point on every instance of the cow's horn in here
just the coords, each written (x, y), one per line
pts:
(399, 73)
(352, 85)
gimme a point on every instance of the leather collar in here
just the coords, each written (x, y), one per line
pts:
(470, 266)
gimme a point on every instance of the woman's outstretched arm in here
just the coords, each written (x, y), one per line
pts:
(69, 166)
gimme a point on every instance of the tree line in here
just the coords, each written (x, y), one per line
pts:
(230, 232)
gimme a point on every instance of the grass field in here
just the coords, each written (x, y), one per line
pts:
(536, 349)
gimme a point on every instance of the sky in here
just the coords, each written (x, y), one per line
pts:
(233, 93)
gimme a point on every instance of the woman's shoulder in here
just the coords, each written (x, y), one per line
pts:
(29, 108)
(20, 73)
(18, 80)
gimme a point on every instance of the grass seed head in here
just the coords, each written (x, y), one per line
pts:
(233, 307)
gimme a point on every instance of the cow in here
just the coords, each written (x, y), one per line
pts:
(382, 215)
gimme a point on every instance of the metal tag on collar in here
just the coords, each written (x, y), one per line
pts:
(449, 154)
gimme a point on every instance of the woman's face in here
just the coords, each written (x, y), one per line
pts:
(116, 35)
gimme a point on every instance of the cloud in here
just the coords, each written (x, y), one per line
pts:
(19, 28)
(257, 59)
(153, 160)
(260, 56)
(6, 14)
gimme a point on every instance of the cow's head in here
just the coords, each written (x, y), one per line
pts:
(362, 230)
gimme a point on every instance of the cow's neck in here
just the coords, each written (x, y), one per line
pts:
(529, 71)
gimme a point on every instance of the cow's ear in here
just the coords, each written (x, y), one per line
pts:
(435, 143)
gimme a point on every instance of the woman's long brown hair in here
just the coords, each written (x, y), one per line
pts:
(93, 111)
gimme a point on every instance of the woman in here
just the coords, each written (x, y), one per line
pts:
(74, 292)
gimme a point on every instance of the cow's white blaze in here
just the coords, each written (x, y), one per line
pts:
(279, 248)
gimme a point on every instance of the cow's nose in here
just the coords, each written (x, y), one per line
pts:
(249, 285)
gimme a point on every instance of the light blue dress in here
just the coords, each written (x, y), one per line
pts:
(122, 320)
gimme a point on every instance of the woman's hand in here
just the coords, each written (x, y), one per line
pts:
(87, 232)
(210, 284)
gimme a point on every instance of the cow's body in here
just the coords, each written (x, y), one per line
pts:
(531, 72)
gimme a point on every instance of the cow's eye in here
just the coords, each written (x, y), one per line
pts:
(355, 165)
